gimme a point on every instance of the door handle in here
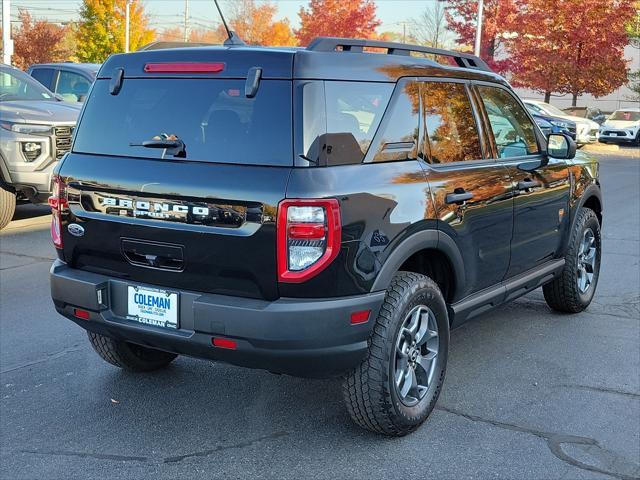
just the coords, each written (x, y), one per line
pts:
(459, 196)
(528, 183)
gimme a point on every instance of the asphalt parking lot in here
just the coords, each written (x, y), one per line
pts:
(529, 393)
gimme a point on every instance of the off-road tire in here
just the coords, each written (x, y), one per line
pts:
(129, 356)
(7, 207)
(562, 294)
(369, 391)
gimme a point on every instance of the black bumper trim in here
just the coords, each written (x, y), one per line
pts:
(302, 337)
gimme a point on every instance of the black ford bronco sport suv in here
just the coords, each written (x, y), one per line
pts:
(333, 210)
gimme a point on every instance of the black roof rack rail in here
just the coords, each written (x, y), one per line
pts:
(355, 45)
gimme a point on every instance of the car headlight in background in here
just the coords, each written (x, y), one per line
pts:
(26, 128)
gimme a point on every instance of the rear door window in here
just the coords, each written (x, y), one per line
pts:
(450, 123)
(398, 137)
(213, 118)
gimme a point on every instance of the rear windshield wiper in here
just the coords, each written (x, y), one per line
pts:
(169, 143)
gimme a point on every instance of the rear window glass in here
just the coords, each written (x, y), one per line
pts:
(213, 118)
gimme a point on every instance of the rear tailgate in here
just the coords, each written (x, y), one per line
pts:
(219, 219)
(199, 217)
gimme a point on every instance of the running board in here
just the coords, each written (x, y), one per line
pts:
(504, 292)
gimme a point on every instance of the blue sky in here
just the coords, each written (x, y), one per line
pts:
(169, 13)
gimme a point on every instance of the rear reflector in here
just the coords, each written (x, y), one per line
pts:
(360, 317)
(306, 231)
(224, 343)
(83, 314)
(184, 67)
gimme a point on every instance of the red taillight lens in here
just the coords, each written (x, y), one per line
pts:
(184, 67)
(309, 235)
(58, 203)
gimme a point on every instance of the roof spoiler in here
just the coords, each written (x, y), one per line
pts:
(354, 45)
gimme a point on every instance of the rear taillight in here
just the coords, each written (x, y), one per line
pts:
(58, 203)
(308, 237)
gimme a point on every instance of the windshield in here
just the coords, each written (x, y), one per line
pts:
(625, 116)
(197, 119)
(15, 85)
(551, 110)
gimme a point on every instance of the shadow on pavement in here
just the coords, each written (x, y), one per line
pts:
(29, 210)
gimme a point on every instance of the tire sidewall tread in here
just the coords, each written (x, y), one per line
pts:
(369, 393)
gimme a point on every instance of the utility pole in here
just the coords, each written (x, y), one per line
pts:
(7, 42)
(126, 26)
(476, 50)
(186, 20)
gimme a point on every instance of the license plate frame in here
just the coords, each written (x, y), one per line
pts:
(153, 306)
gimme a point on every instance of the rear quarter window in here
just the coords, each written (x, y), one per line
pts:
(340, 119)
(214, 119)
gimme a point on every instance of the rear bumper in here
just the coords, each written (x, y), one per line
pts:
(302, 337)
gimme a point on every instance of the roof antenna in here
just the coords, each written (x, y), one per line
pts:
(233, 38)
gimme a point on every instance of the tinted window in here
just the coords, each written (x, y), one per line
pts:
(44, 76)
(513, 131)
(399, 137)
(340, 119)
(450, 123)
(72, 86)
(213, 118)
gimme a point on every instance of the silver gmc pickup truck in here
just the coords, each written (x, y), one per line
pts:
(36, 130)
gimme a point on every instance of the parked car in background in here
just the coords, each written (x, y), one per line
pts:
(69, 80)
(587, 131)
(546, 126)
(35, 132)
(557, 124)
(590, 113)
(622, 126)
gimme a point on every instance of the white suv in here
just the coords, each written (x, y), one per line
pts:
(622, 126)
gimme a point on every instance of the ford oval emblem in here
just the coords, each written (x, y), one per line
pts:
(75, 230)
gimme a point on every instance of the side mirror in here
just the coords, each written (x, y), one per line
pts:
(560, 145)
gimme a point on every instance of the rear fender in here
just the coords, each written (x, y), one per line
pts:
(426, 239)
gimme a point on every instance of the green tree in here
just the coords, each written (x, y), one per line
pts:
(102, 29)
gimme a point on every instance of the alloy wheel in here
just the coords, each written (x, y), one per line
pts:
(587, 256)
(416, 353)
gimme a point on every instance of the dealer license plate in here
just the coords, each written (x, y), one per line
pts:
(153, 307)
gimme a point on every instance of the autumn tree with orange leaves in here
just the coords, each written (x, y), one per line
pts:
(337, 18)
(254, 23)
(571, 47)
(499, 18)
(37, 41)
